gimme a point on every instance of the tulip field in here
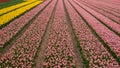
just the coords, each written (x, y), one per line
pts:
(60, 34)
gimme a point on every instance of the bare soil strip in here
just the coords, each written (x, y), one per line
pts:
(42, 46)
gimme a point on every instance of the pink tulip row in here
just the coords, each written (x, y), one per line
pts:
(113, 2)
(111, 39)
(12, 29)
(113, 9)
(93, 50)
(104, 19)
(101, 11)
(23, 50)
(109, 8)
(59, 53)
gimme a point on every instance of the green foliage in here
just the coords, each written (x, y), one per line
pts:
(10, 3)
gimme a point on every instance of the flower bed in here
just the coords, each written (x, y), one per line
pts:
(11, 15)
(23, 50)
(111, 40)
(15, 26)
(93, 49)
(60, 51)
(101, 11)
(14, 7)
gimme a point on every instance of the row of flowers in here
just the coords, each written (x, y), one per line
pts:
(23, 50)
(59, 52)
(12, 15)
(15, 26)
(107, 7)
(5, 10)
(101, 11)
(110, 38)
(92, 48)
(106, 34)
(111, 24)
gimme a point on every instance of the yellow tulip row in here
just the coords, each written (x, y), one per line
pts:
(5, 10)
(11, 15)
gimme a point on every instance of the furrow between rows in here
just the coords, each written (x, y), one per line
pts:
(39, 57)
